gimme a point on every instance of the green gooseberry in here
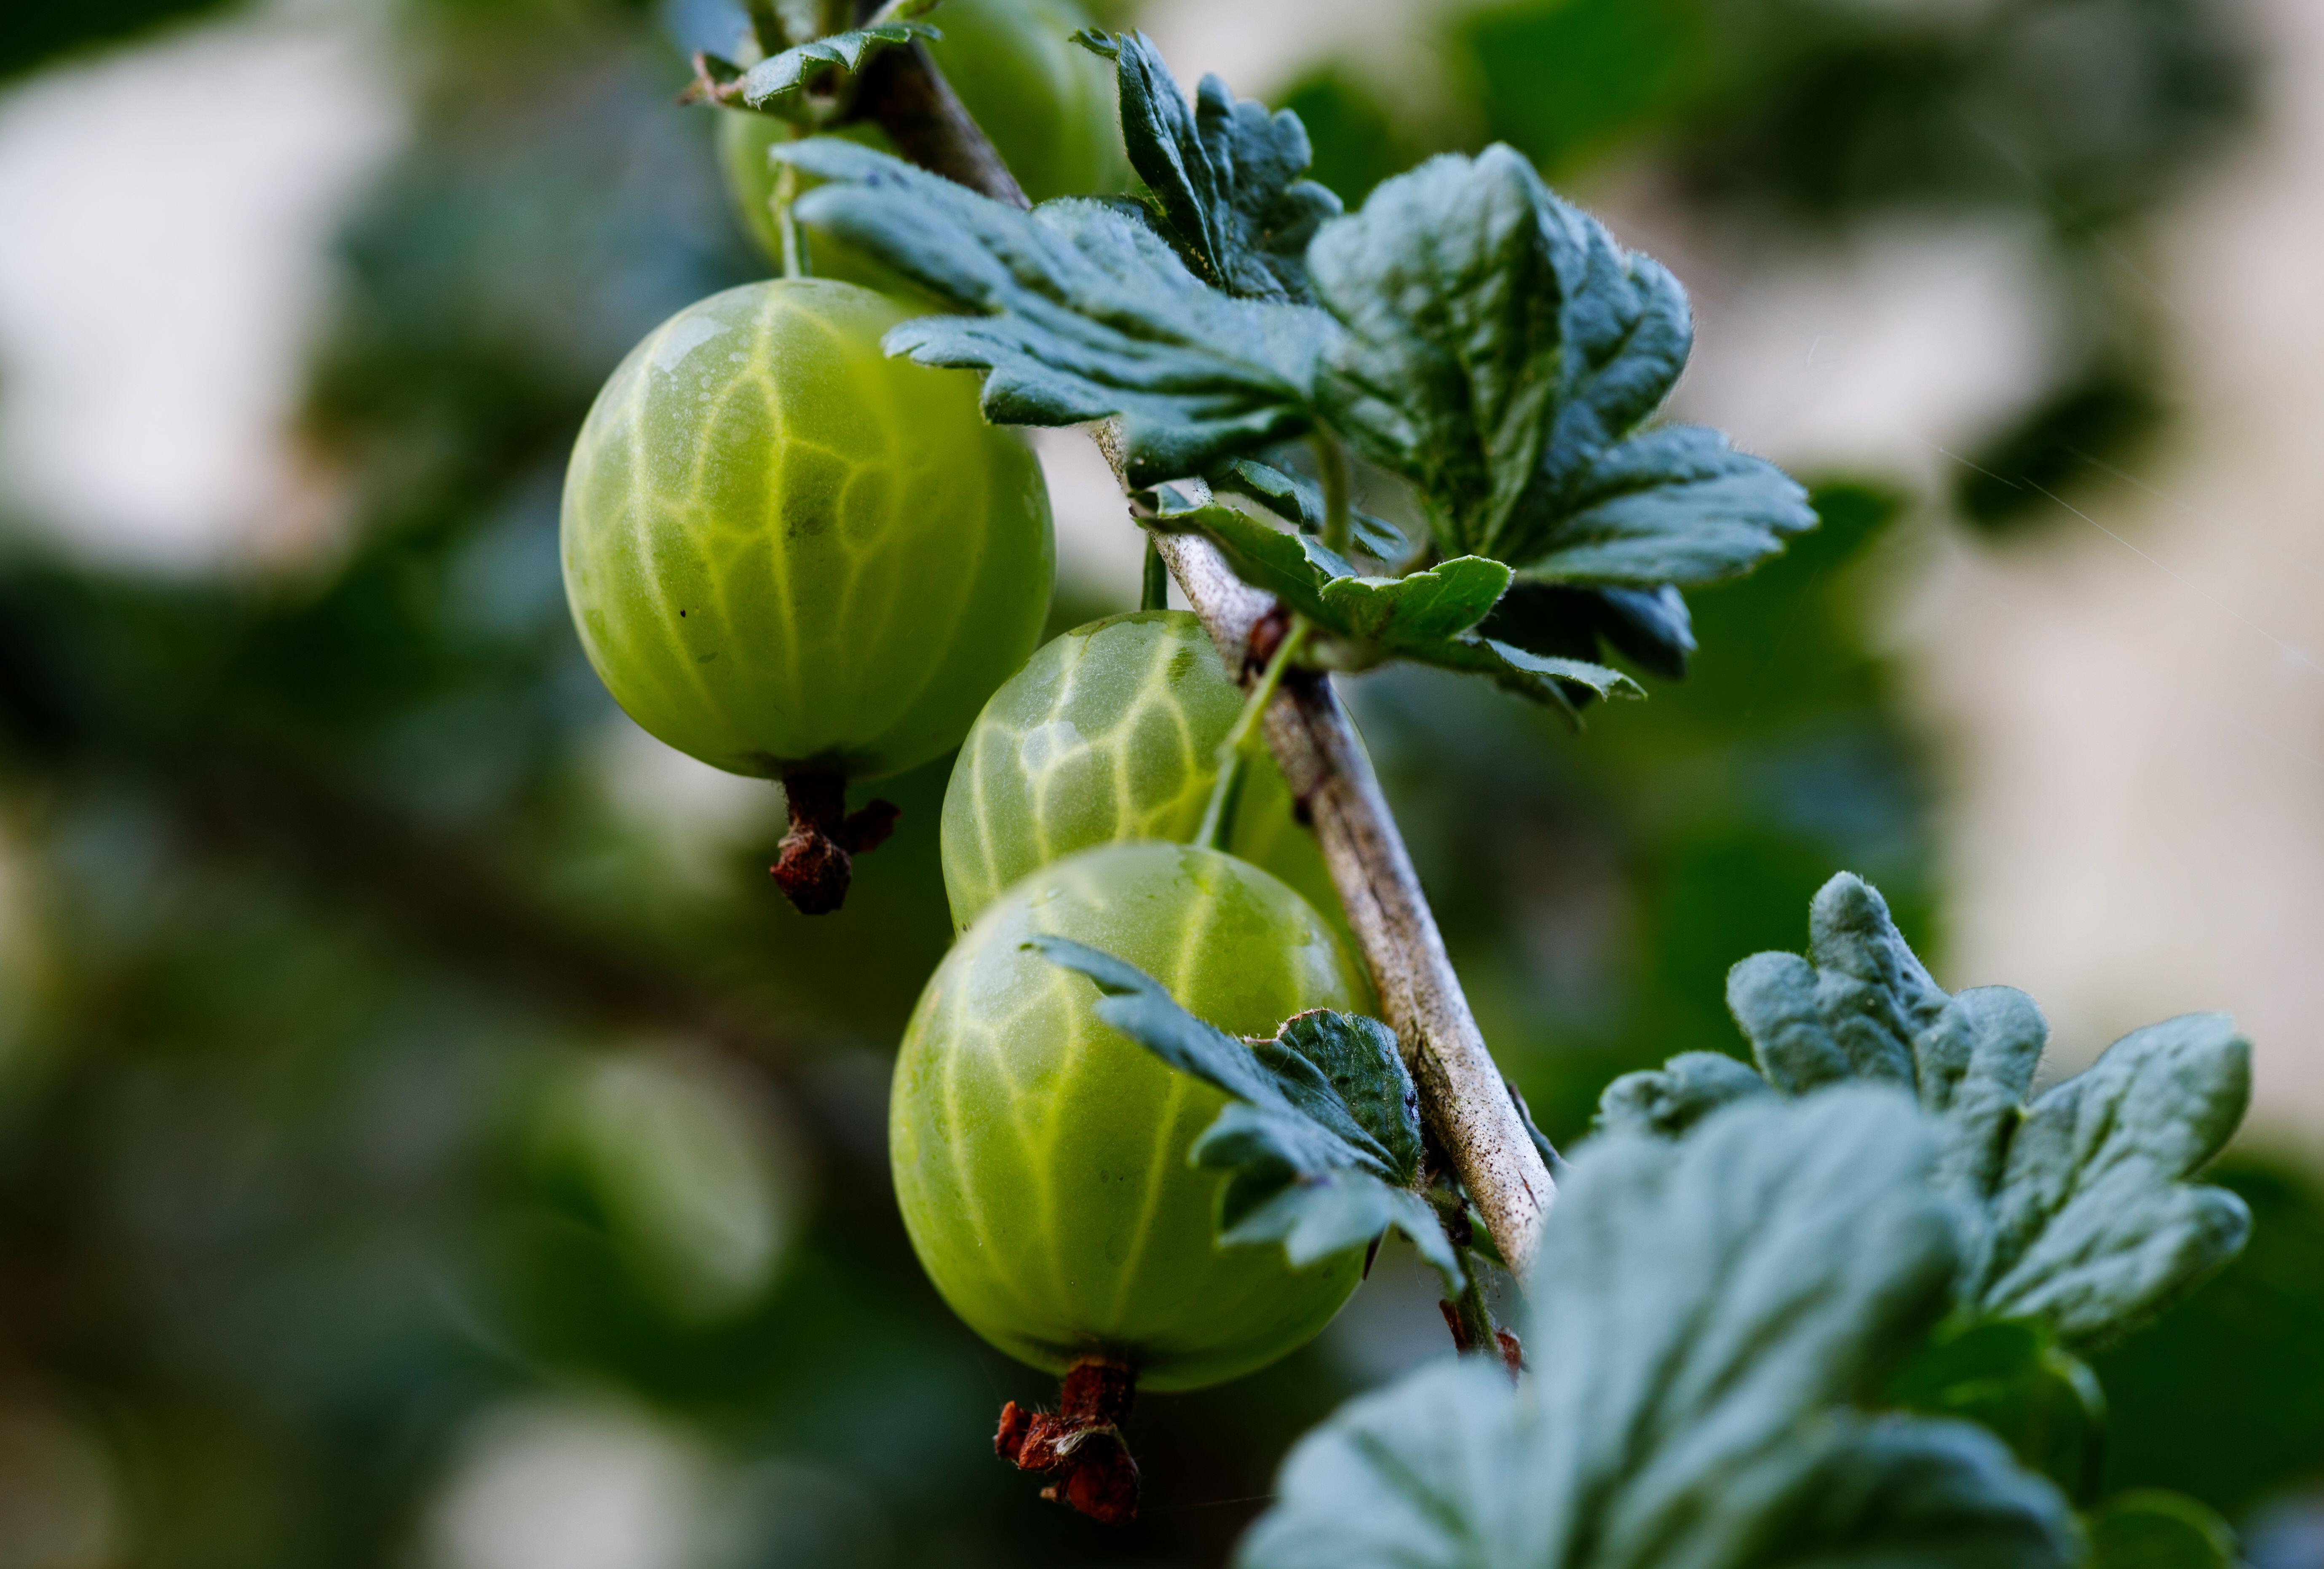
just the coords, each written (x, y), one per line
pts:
(790, 555)
(1111, 732)
(1041, 1158)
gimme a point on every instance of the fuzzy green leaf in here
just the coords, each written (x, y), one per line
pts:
(1670, 1101)
(774, 85)
(1077, 310)
(1675, 505)
(1703, 1315)
(2084, 1217)
(1445, 368)
(1501, 352)
(1320, 1139)
(1227, 174)
(2095, 1226)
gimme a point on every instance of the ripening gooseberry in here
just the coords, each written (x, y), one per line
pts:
(1041, 1158)
(790, 555)
(1111, 732)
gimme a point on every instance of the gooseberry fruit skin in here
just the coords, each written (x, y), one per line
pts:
(1041, 1158)
(1111, 732)
(785, 550)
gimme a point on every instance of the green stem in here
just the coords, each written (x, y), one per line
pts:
(1477, 1332)
(786, 196)
(1466, 1313)
(1241, 740)
(1154, 594)
(1332, 469)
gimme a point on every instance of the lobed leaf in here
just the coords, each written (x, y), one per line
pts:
(1077, 310)
(1482, 338)
(1676, 504)
(1447, 359)
(774, 84)
(1502, 352)
(1321, 1139)
(1380, 617)
(2095, 1226)
(1226, 175)
(1428, 616)
(1703, 1314)
(2082, 1212)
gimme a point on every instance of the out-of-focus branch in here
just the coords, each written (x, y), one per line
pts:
(903, 91)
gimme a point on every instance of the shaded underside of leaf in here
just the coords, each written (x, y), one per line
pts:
(773, 81)
(1649, 626)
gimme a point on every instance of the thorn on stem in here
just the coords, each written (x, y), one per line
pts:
(817, 854)
(1079, 1446)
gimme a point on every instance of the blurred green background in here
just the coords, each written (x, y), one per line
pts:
(425, 1137)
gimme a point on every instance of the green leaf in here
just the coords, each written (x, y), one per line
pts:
(1668, 1102)
(1422, 616)
(2016, 1382)
(2083, 1216)
(1558, 683)
(1320, 1139)
(2152, 1530)
(1650, 626)
(774, 84)
(1380, 617)
(1502, 352)
(1300, 501)
(2095, 1226)
(1447, 362)
(1078, 310)
(1227, 175)
(1703, 1315)
(1675, 505)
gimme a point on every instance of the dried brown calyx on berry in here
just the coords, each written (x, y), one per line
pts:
(1079, 1446)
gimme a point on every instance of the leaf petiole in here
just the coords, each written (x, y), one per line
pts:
(1153, 592)
(785, 202)
(1242, 739)
(1332, 472)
